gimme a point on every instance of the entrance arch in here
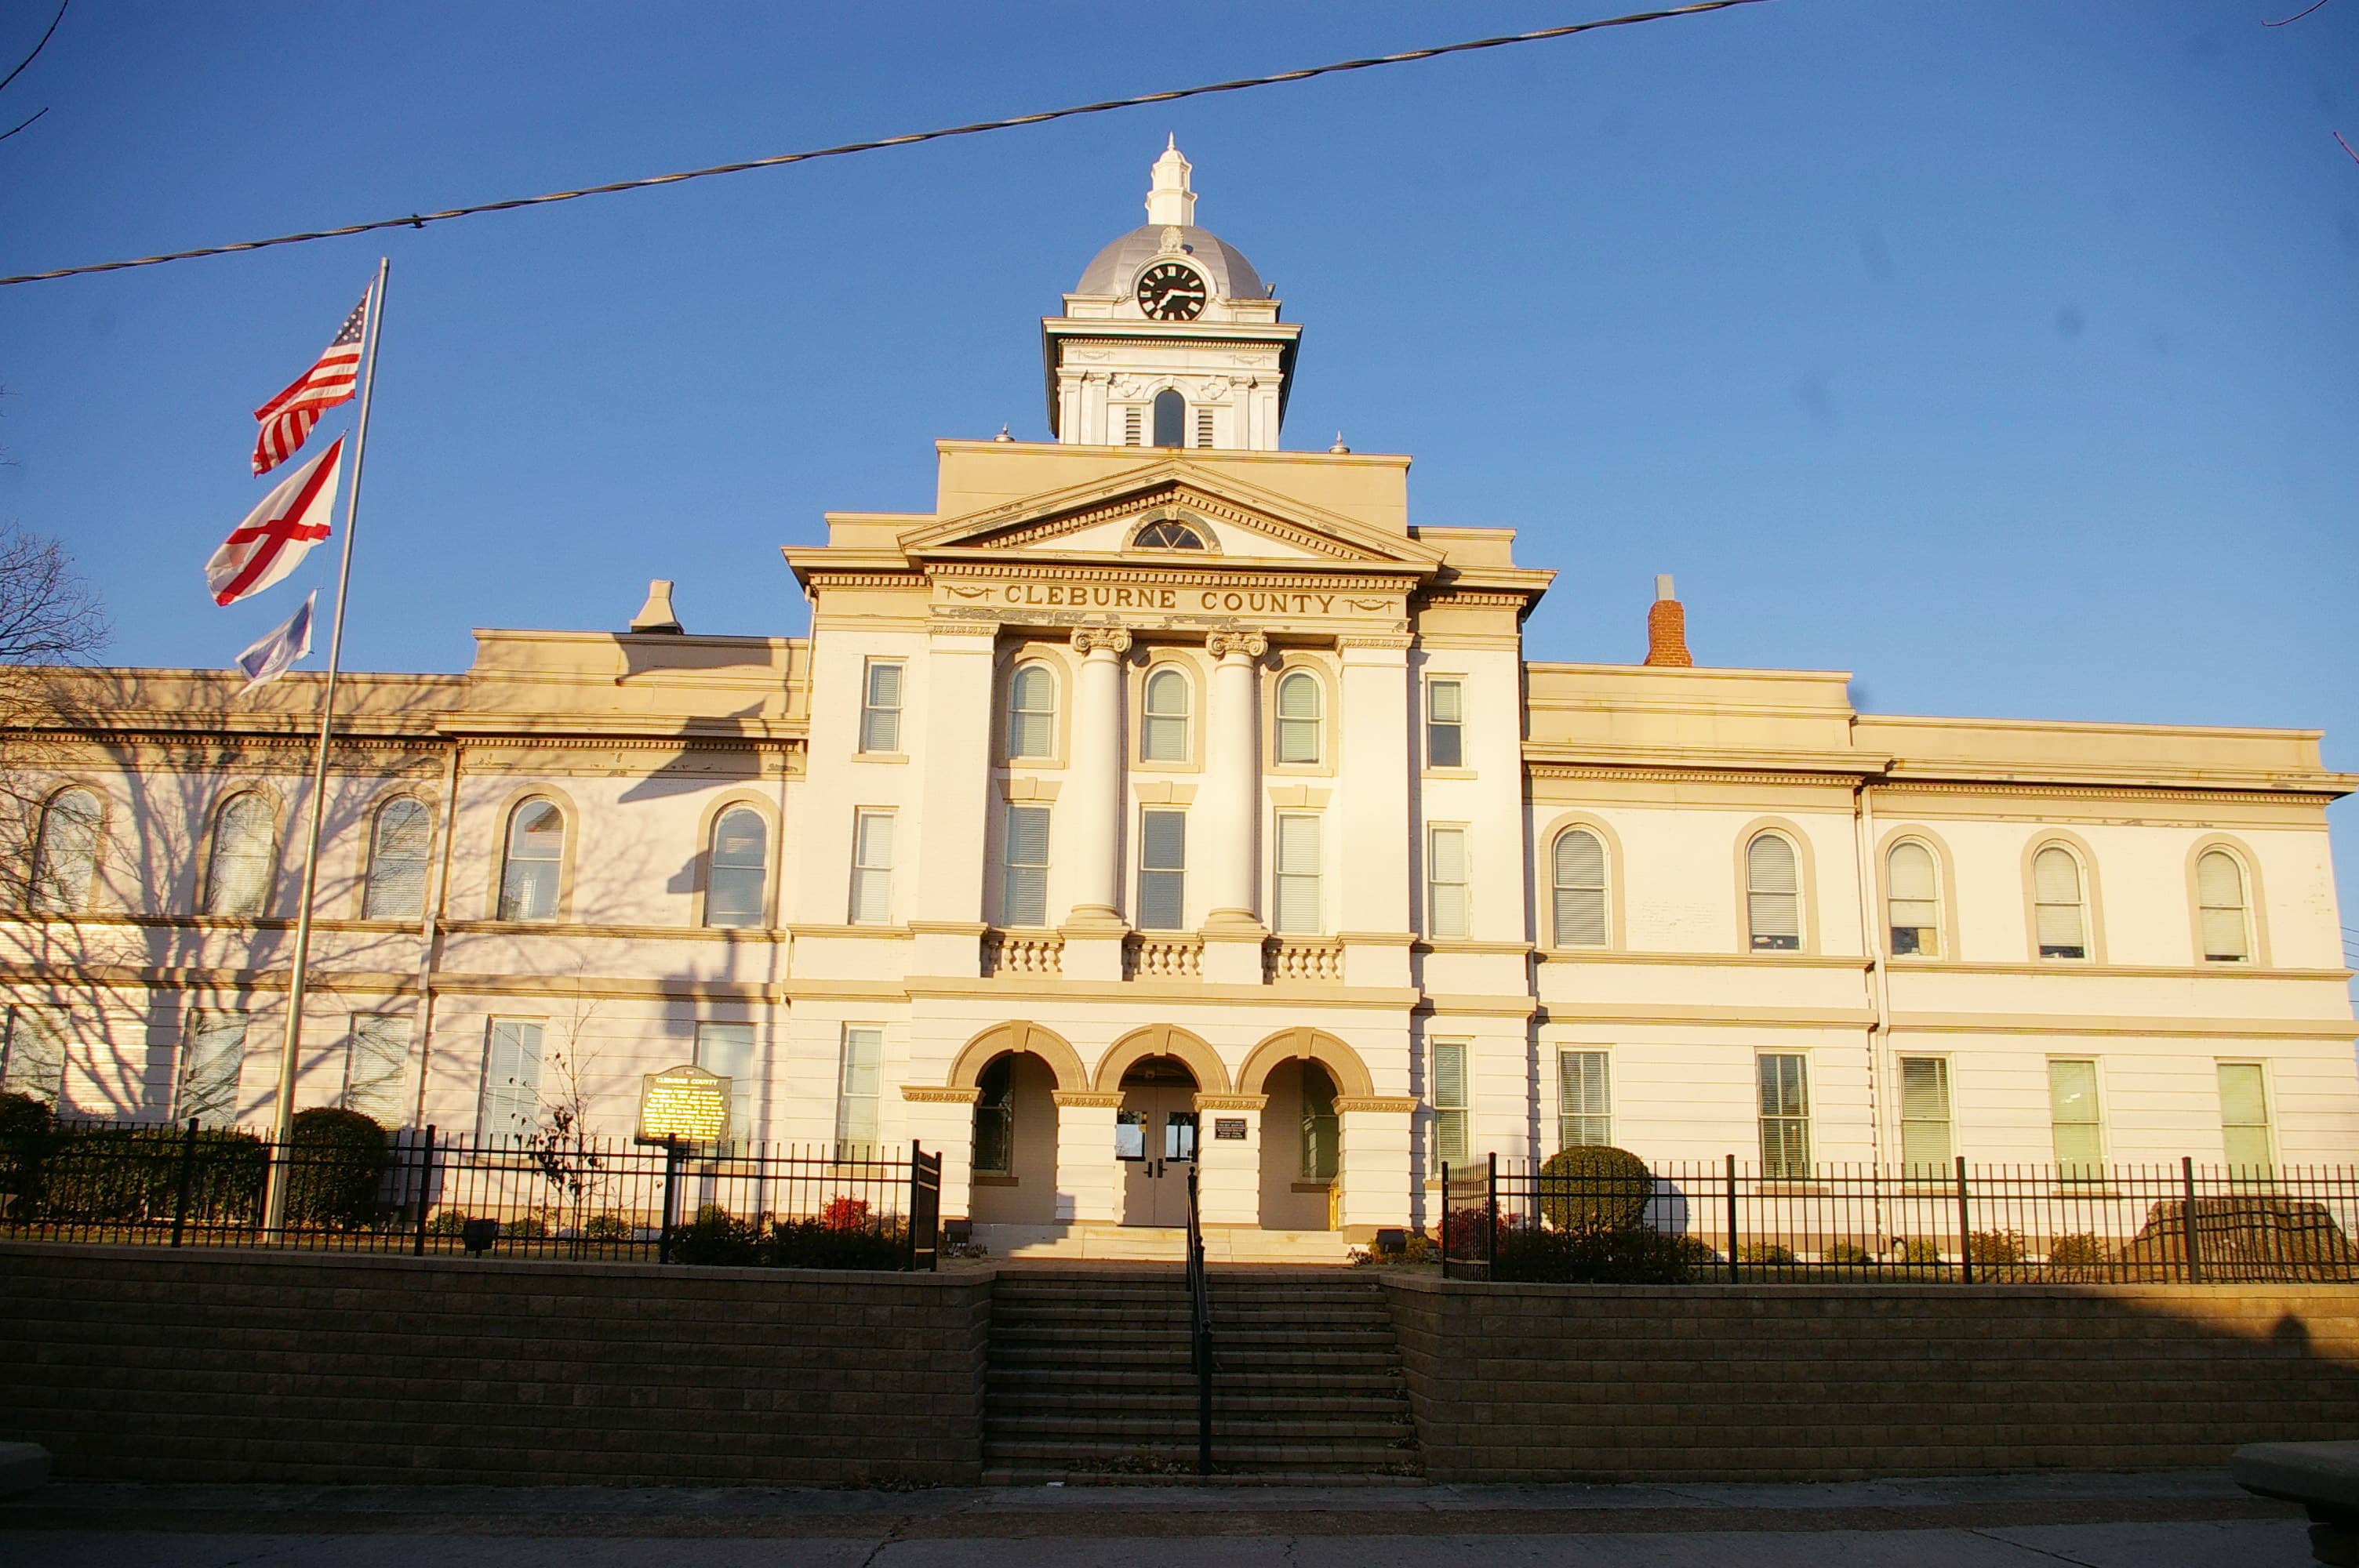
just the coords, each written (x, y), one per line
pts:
(1063, 1061)
(1015, 1070)
(1161, 1039)
(1301, 1074)
(1155, 1138)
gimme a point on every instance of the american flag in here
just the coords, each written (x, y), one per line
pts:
(287, 419)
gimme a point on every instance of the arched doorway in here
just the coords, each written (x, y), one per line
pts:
(1303, 1074)
(1155, 1140)
(1013, 1178)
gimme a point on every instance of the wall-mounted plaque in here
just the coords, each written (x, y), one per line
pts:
(683, 1105)
(1229, 1129)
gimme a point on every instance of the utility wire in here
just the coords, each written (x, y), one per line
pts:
(419, 220)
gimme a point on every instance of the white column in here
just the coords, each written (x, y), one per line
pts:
(1095, 827)
(1376, 1173)
(1380, 747)
(947, 837)
(1228, 1170)
(1085, 1162)
(942, 1120)
(1224, 832)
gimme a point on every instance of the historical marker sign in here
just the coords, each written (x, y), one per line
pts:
(683, 1105)
(1229, 1127)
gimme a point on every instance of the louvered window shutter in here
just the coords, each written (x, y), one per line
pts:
(1924, 1147)
(2220, 893)
(1915, 908)
(2055, 897)
(2072, 1109)
(1579, 885)
(872, 874)
(2243, 1116)
(1773, 892)
(1298, 719)
(1446, 875)
(1026, 901)
(1031, 718)
(1298, 868)
(1162, 870)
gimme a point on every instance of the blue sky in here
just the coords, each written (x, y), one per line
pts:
(2004, 353)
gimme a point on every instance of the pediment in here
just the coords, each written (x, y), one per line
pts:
(1239, 523)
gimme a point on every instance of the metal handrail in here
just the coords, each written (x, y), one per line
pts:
(1199, 1329)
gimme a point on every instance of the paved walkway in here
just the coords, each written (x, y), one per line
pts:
(2176, 1520)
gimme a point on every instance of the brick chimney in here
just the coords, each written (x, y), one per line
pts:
(1667, 627)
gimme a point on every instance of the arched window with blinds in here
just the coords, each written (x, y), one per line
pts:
(399, 840)
(1163, 738)
(2222, 910)
(1298, 715)
(1912, 893)
(534, 861)
(735, 869)
(2058, 910)
(1031, 713)
(1773, 893)
(65, 852)
(1579, 878)
(1171, 419)
(244, 854)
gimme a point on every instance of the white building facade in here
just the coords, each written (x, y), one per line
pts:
(1164, 798)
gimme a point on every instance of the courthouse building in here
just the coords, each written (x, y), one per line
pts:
(1167, 796)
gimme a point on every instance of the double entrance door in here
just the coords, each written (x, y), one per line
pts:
(1155, 1144)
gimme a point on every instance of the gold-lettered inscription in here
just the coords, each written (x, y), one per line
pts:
(1209, 601)
(683, 1105)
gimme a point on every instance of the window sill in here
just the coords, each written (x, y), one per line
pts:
(880, 756)
(981, 1180)
(1449, 773)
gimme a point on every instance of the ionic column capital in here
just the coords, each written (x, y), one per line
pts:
(1221, 644)
(1113, 639)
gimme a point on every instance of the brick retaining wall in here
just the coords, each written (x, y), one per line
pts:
(1799, 1383)
(139, 1363)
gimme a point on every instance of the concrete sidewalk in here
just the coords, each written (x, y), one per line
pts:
(2173, 1519)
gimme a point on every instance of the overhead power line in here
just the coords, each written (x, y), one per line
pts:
(419, 220)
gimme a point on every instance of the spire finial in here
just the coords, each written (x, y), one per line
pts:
(1339, 448)
(1168, 200)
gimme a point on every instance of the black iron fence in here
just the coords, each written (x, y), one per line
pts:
(850, 1205)
(1980, 1223)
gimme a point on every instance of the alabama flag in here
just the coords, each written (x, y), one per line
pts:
(280, 532)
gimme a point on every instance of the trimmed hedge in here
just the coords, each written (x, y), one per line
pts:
(1595, 1188)
(337, 1162)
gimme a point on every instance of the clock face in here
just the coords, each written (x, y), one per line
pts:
(1172, 291)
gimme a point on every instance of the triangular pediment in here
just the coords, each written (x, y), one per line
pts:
(1238, 523)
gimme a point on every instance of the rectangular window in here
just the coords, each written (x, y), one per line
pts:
(2244, 1117)
(1445, 880)
(35, 1059)
(1583, 1118)
(1449, 1112)
(2072, 1111)
(726, 1050)
(1445, 724)
(872, 867)
(1024, 872)
(1298, 904)
(1162, 870)
(857, 1095)
(1785, 1117)
(1130, 1135)
(377, 1065)
(1925, 1144)
(510, 1112)
(880, 706)
(212, 1054)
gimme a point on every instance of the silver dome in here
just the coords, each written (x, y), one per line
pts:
(1232, 277)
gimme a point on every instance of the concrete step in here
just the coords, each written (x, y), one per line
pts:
(1072, 1414)
(1044, 1475)
(1256, 1381)
(1165, 1359)
(1070, 1430)
(1325, 1460)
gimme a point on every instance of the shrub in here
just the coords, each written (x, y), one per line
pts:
(2079, 1250)
(1466, 1232)
(1595, 1188)
(527, 1227)
(338, 1160)
(1914, 1250)
(1850, 1254)
(450, 1222)
(1767, 1252)
(817, 1244)
(2248, 1237)
(1995, 1247)
(1416, 1250)
(716, 1237)
(1625, 1255)
(844, 1214)
(608, 1227)
(26, 1137)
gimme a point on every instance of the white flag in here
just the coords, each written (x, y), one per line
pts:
(278, 534)
(276, 653)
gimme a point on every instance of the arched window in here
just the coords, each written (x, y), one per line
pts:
(1299, 704)
(1171, 419)
(2221, 908)
(245, 853)
(1912, 892)
(1773, 893)
(1167, 535)
(736, 867)
(65, 852)
(2057, 913)
(1579, 878)
(396, 871)
(1163, 736)
(1032, 712)
(534, 861)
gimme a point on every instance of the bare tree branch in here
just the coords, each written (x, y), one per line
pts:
(61, 16)
(2346, 146)
(48, 613)
(27, 121)
(2297, 17)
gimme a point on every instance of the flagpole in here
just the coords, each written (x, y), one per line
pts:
(289, 1050)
